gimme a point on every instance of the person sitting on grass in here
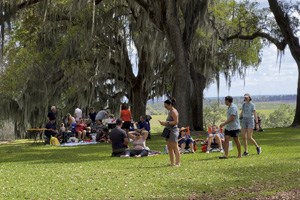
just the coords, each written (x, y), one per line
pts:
(80, 129)
(139, 138)
(101, 132)
(185, 140)
(143, 124)
(119, 140)
(88, 133)
(215, 136)
(53, 140)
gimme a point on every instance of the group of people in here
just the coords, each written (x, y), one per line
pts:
(249, 120)
(76, 128)
(246, 123)
(177, 140)
(96, 128)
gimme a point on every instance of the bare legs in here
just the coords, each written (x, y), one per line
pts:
(238, 145)
(210, 139)
(226, 145)
(247, 134)
(173, 150)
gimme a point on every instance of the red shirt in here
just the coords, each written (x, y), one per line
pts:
(126, 115)
(80, 127)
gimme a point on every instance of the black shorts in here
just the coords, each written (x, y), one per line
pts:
(232, 133)
(126, 125)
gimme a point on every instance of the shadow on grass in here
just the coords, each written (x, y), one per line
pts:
(48, 154)
(39, 153)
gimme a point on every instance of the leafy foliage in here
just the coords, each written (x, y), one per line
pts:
(213, 114)
(282, 117)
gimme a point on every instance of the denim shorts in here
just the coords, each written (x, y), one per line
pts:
(232, 133)
(186, 141)
(247, 123)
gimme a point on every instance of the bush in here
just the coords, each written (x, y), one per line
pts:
(282, 117)
(213, 114)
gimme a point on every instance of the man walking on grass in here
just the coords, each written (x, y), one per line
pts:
(232, 128)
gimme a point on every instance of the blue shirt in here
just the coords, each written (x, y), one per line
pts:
(144, 125)
(248, 110)
(235, 124)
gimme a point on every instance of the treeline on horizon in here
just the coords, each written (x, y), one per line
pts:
(260, 98)
(256, 98)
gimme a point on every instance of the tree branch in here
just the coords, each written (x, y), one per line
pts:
(283, 21)
(192, 14)
(279, 44)
(143, 3)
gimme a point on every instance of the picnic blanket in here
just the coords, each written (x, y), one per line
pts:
(153, 153)
(72, 144)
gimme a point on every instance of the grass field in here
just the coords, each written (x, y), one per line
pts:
(29, 171)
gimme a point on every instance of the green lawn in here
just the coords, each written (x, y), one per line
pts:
(30, 171)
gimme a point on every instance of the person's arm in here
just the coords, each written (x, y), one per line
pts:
(231, 118)
(130, 134)
(126, 141)
(241, 115)
(255, 119)
(145, 134)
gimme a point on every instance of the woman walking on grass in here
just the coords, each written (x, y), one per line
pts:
(248, 116)
(171, 123)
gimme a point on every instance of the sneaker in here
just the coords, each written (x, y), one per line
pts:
(221, 150)
(258, 149)
(245, 154)
(209, 150)
(124, 156)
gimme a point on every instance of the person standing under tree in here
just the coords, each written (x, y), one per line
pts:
(171, 123)
(125, 115)
(52, 115)
(232, 128)
(249, 116)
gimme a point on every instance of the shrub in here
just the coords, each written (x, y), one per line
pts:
(282, 117)
(213, 114)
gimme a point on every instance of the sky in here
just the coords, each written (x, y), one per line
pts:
(268, 79)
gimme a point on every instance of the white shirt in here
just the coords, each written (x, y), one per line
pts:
(78, 114)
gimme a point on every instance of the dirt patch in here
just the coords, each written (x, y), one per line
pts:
(233, 194)
(288, 195)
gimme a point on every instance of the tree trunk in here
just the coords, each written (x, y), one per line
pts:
(199, 84)
(182, 88)
(283, 21)
(296, 121)
(139, 101)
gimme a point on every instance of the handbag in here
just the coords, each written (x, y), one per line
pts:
(166, 133)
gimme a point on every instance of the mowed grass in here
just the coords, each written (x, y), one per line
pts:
(29, 171)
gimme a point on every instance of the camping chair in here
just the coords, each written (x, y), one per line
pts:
(214, 145)
(188, 132)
